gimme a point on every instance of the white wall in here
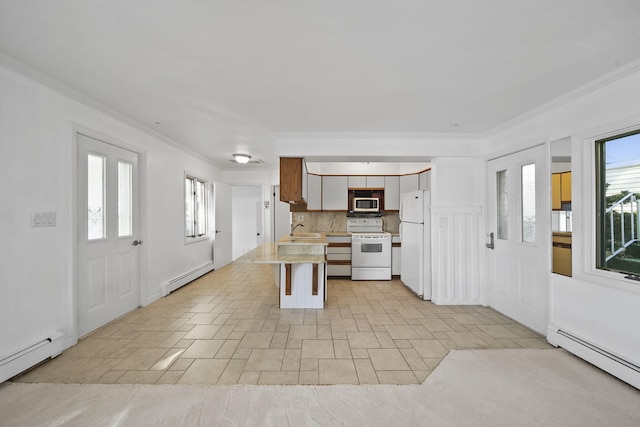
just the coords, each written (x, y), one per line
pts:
(37, 148)
(600, 307)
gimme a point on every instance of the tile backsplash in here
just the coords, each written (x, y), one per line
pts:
(337, 221)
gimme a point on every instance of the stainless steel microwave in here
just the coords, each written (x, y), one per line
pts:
(366, 204)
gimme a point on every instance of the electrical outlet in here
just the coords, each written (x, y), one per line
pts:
(300, 217)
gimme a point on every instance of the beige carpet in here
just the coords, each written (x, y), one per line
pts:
(472, 387)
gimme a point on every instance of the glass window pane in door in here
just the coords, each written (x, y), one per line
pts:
(95, 197)
(125, 197)
(529, 203)
(503, 204)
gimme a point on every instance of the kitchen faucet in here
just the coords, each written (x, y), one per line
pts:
(293, 227)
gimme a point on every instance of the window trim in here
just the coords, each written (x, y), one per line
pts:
(600, 182)
(583, 147)
(205, 183)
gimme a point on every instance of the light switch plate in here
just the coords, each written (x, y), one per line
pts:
(43, 219)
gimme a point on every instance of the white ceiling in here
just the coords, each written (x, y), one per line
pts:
(225, 76)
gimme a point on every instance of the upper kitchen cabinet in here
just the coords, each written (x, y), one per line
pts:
(391, 193)
(425, 180)
(361, 181)
(409, 183)
(375, 181)
(314, 192)
(291, 180)
(561, 190)
(335, 193)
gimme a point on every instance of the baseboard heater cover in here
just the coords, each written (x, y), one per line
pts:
(21, 360)
(617, 366)
(190, 276)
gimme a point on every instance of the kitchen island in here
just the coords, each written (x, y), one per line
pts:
(299, 268)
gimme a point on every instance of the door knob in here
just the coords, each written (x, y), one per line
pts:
(490, 245)
(136, 242)
(218, 231)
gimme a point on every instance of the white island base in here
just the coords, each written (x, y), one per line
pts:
(302, 285)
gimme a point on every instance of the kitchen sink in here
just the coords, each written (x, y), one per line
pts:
(301, 236)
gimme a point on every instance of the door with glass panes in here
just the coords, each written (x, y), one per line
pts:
(517, 245)
(108, 279)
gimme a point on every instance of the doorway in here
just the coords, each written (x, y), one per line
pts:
(247, 210)
(108, 233)
(518, 244)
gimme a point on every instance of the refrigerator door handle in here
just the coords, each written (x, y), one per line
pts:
(400, 212)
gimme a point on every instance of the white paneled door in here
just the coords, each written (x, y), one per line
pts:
(108, 233)
(223, 237)
(517, 250)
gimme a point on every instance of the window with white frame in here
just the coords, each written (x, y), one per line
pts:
(196, 201)
(618, 203)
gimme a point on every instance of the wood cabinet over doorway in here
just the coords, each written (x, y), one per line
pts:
(291, 180)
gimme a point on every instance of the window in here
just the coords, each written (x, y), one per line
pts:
(195, 207)
(125, 199)
(618, 202)
(96, 197)
(528, 179)
(503, 205)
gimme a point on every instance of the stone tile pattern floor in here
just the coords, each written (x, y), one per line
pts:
(226, 328)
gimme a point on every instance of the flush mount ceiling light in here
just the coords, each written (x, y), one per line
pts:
(242, 158)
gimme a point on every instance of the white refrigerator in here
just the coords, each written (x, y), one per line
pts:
(415, 234)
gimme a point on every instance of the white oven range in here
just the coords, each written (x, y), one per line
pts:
(370, 249)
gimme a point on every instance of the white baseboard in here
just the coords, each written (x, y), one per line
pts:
(183, 279)
(23, 359)
(618, 366)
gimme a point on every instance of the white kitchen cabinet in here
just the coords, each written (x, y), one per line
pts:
(425, 180)
(334, 193)
(375, 182)
(339, 256)
(391, 193)
(359, 181)
(409, 183)
(314, 192)
(396, 251)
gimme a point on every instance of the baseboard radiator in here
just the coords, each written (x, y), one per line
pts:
(21, 360)
(617, 366)
(190, 276)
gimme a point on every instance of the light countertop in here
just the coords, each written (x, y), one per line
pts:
(268, 254)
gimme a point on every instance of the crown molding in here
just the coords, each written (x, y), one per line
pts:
(59, 87)
(580, 91)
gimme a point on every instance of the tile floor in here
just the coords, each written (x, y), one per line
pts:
(226, 328)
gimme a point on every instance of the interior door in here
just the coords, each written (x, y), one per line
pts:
(108, 233)
(518, 220)
(223, 236)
